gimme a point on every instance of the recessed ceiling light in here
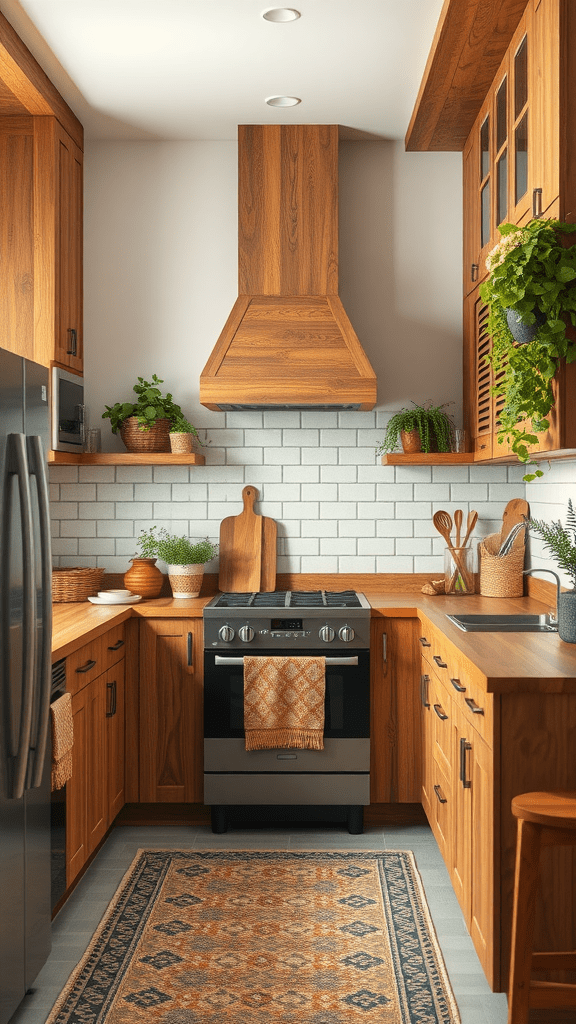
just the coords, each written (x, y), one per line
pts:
(280, 14)
(283, 101)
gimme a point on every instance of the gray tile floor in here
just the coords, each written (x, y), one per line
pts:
(74, 925)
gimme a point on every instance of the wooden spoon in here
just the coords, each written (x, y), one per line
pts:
(443, 523)
(470, 524)
(458, 524)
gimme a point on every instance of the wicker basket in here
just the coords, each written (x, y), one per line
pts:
(156, 439)
(182, 444)
(75, 584)
(500, 576)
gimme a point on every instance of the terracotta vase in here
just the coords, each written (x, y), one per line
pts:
(144, 577)
(185, 580)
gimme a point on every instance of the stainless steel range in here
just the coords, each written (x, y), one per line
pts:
(297, 623)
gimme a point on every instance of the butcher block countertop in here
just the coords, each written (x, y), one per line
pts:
(507, 661)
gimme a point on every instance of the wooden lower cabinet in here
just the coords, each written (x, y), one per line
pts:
(396, 765)
(171, 676)
(95, 793)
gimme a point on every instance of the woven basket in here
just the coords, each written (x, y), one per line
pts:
(75, 584)
(181, 444)
(156, 439)
(500, 577)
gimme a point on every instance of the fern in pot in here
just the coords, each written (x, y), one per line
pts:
(185, 559)
(560, 541)
(421, 428)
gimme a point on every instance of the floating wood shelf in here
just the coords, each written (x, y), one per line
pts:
(125, 459)
(429, 459)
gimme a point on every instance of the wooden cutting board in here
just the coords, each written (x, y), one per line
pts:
(515, 512)
(247, 549)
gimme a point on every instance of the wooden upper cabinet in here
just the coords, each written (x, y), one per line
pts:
(58, 279)
(17, 236)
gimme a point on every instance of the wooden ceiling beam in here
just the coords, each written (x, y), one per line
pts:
(469, 44)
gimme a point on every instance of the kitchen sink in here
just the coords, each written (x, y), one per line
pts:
(504, 623)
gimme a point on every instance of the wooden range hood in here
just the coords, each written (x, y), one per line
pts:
(288, 342)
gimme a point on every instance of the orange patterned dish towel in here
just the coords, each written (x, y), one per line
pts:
(284, 702)
(62, 740)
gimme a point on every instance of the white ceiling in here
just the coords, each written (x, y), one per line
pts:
(195, 69)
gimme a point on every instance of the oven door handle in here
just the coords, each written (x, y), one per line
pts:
(220, 660)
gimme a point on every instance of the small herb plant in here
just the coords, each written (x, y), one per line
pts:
(180, 425)
(560, 541)
(175, 550)
(151, 405)
(532, 272)
(433, 424)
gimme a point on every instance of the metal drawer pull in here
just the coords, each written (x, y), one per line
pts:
(440, 712)
(189, 651)
(86, 667)
(536, 202)
(474, 708)
(424, 641)
(424, 680)
(117, 645)
(286, 757)
(220, 660)
(112, 688)
(441, 664)
(458, 685)
(442, 799)
(464, 748)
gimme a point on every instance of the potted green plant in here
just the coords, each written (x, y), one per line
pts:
(532, 270)
(423, 428)
(144, 425)
(184, 558)
(560, 541)
(182, 435)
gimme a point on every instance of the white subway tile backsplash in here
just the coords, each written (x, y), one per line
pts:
(337, 507)
(138, 474)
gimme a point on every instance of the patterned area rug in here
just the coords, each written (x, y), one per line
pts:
(231, 937)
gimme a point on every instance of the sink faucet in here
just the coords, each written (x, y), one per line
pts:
(531, 572)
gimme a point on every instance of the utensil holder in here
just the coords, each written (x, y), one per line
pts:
(459, 571)
(500, 576)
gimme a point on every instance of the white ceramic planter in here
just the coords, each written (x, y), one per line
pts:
(185, 580)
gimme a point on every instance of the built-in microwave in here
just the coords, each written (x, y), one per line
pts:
(67, 411)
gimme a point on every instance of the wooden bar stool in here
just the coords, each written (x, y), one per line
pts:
(544, 819)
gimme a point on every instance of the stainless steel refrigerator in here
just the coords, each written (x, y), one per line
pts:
(25, 678)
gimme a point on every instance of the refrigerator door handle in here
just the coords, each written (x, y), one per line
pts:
(37, 464)
(17, 466)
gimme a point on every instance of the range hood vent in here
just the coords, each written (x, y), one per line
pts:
(288, 342)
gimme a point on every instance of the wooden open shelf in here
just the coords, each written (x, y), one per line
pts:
(125, 459)
(429, 459)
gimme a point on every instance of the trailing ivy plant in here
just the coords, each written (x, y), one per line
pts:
(433, 424)
(532, 270)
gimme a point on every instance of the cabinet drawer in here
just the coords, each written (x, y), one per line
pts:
(84, 665)
(456, 674)
(441, 800)
(113, 645)
(440, 722)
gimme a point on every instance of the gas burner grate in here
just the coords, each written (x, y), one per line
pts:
(291, 599)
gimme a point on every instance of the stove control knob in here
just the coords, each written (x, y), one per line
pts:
(326, 633)
(246, 633)
(226, 633)
(346, 633)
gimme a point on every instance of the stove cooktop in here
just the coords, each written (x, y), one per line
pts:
(320, 599)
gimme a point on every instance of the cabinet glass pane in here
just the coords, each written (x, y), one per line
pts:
(501, 126)
(485, 208)
(520, 78)
(521, 158)
(485, 149)
(502, 187)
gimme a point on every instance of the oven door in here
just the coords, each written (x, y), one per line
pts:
(347, 703)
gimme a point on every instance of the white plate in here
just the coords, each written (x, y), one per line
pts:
(116, 600)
